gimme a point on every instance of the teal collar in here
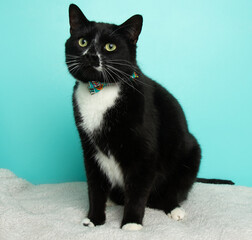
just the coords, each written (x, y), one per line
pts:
(95, 86)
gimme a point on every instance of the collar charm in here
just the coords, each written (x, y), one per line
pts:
(95, 86)
(134, 75)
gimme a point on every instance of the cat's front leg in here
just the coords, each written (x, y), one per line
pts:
(137, 190)
(97, 203)
(98, 188)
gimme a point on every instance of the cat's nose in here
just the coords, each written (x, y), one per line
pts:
(92, 59)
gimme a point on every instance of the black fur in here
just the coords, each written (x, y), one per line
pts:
(148, 135)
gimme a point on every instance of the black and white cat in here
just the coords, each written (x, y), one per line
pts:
(138, 150)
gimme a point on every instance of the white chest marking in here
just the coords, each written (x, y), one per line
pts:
(93, 107)
(111, 168)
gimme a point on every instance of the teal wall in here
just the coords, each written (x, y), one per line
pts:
(200, 50)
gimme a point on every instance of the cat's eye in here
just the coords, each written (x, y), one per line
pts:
(110, 47)
(83, 42)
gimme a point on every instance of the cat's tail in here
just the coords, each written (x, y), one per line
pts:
(215, 181)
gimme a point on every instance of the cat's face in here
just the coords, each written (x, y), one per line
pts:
(99, 51)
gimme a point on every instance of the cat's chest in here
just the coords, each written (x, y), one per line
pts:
(92, 108)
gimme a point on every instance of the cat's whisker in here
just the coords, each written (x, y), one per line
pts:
(74, 69)
(134, 69)
(72, 61)
(126, 75)
(139, 81)
(116, 69)
(72, 64)
(131, 83)
(125, 81)
(105, 78)
(123, 64)
(107, 70)
(109, 74)
(136, 80)
(72, 56)
(119, 60)
(126, 63)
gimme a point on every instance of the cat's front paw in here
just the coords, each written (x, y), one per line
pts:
(93, 221)
(87, 222)
(132, 227)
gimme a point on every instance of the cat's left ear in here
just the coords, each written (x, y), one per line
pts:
(76, 18)
(132, 27)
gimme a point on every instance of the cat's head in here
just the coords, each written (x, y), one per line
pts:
(101, 51)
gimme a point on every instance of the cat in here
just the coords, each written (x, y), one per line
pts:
(138, 150)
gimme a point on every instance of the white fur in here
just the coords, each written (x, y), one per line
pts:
(85, 52)
(110, 203)
(93, 107)
(177, 214)
(111, 168)
(86, 222)
(132, 227)
(100, 67)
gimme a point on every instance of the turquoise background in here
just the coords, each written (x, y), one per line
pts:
(200, 50)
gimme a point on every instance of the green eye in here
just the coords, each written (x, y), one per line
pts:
(83, 42)
(110, 47)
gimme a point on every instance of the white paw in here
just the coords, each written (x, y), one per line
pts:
(132, 227)
(177, 214)
(86, 222)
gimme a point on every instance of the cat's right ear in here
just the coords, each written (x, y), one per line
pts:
(76, 18)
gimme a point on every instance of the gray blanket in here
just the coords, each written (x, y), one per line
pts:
(55, 211)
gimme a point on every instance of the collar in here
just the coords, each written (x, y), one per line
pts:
(95, 86)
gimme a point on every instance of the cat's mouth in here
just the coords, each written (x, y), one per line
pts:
(89, 73)
(92, 68)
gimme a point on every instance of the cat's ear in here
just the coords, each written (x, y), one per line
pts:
(132, 27)
(76, 18)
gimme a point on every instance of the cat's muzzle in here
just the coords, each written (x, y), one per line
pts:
(91, 60)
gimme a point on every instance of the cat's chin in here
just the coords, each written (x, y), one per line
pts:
(88, 74)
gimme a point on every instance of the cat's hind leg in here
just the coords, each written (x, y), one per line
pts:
(177, 214)
(173, 209)
(168, 203)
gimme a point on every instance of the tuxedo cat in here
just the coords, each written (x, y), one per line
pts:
(137, 148)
